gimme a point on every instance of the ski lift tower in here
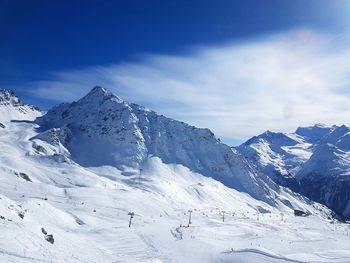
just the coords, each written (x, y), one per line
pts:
(189, 217)
(223, 216)
(131, 214)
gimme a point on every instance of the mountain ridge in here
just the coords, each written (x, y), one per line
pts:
(129, 133)
(12, 107)
(318, 169)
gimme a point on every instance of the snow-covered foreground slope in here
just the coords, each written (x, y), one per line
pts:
(86, 211)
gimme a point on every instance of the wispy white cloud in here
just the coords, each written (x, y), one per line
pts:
(276, 82)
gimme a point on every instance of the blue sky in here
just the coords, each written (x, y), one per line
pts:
(216, 64)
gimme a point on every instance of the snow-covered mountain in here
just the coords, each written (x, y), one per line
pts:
(70, 178)
(314, 161)
(280, 155)
(102, 129)
(325, 177)
(12, 108)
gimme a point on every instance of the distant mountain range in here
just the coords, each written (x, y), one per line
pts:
(313, 161)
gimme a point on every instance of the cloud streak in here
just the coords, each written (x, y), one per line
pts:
(238, 90)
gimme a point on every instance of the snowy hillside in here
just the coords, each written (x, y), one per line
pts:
(56, 206)
(314, 161)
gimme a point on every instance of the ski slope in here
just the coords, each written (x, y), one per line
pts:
(86, 211)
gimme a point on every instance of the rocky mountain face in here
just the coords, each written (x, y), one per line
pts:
(314, 161)
(12, 108)
(102, 129)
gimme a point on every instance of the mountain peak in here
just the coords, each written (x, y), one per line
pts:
(315, 133)
(100, 93)
(320, 125)
(337, 134)
(8, 97)
(12, 108)
(98, 90)
(124, 134)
